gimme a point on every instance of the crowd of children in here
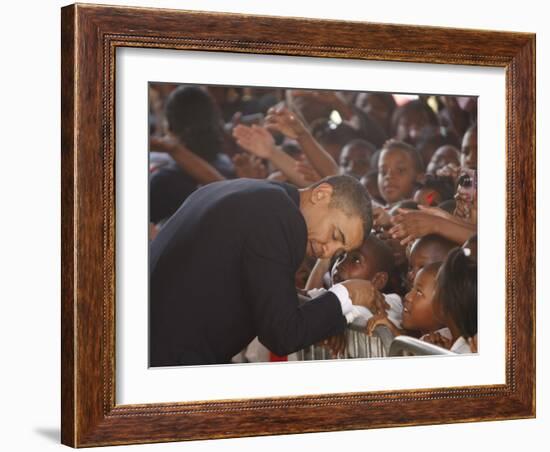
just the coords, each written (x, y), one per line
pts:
(416, 155)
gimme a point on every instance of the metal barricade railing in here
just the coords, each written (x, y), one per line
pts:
(358, 345)
(403, 345)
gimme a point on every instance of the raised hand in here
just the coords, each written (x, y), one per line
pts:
(412, 224)
(285, 122)
(255, 139)
(166, 143)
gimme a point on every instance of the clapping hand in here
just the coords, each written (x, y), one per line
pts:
(255, 139)
(285, 122)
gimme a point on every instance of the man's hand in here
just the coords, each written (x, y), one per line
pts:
(255, 139)
(363, 293)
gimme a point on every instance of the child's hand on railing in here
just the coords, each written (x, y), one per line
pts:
(336, 344)
(381, 319)
(437, 339)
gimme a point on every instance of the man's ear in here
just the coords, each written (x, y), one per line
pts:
(379, 280)
(322, 193)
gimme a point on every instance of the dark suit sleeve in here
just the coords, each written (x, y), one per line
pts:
(282, 325)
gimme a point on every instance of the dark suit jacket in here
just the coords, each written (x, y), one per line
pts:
(222, 272)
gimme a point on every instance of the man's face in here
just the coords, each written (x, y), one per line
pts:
(329, 229)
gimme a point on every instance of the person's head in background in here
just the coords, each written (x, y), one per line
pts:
(338, 214)
(455, 299)
(468, 153)
(451, 114)
(372, 261)
(431, 138)
(418, 306)
(378, 106)
(370, 182)
(400, 170)
(333, 137)
(307, 106)
(443, 156)
(355, 158)
(434, 191)
(194, 119)
(427, 250)
(409, 119)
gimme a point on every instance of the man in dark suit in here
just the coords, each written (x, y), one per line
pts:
(222, 269)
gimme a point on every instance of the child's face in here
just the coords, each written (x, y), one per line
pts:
(356, 264)
(396, 175)
(468, 153)
(418, 308)
(445, 155)
(354, 161)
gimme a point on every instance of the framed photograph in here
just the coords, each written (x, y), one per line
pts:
(282, 225)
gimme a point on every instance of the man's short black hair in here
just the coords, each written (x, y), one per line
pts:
(350, 196)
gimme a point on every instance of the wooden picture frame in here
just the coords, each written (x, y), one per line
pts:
(90, 36)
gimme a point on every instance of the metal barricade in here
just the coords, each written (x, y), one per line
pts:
(405, 345)
(358, 345)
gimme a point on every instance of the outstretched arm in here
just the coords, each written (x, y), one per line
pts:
(259, 141)
(198, 168)
(288, 124)
(412, 224)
